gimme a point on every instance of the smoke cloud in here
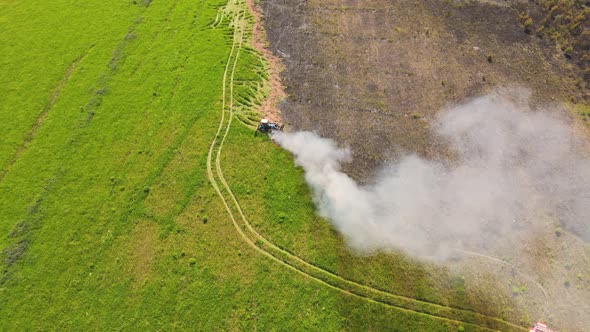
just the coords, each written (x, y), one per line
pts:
(513, 169)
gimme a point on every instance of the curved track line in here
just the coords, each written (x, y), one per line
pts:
(515, 268)
(296, 263)
(56, 92)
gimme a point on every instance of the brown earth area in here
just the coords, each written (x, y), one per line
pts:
(259, 41)
(373, 74)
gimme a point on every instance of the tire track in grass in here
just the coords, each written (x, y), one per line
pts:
(56, 92)
(34, 219)
(295, 263)
(517, 271)
(94, 101)
(138, 196)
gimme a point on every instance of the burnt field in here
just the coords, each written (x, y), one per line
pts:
(373, 74)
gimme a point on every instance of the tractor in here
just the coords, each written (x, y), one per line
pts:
(267, 127)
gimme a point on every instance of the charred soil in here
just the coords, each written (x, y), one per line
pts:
(371, 74)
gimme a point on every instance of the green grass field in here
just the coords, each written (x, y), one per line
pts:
(108, 215)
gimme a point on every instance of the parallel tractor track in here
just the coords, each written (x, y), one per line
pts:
(43, 114)
(262, 245)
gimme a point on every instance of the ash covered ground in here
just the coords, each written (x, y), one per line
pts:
(370, 74)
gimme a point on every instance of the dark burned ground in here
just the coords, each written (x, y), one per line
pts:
(372, 73)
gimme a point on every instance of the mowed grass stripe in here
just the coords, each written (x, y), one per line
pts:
(41, 117)
(83, 147)
(38, 48)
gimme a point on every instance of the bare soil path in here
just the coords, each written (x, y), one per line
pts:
(269, 107)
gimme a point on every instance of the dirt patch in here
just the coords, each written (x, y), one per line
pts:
(143, 250)
(373, 74)
(269, 107)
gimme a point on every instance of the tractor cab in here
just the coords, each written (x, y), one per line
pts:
(268, 127)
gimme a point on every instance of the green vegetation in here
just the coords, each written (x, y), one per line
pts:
(566, 23)
(518, 290)
(108, 219)
(583, 110)
(558, 231)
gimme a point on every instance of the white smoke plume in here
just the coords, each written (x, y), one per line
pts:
(512, 166)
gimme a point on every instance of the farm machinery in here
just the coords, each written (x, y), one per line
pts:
(267, 127)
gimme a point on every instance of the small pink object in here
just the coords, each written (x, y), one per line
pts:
(540, 327)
